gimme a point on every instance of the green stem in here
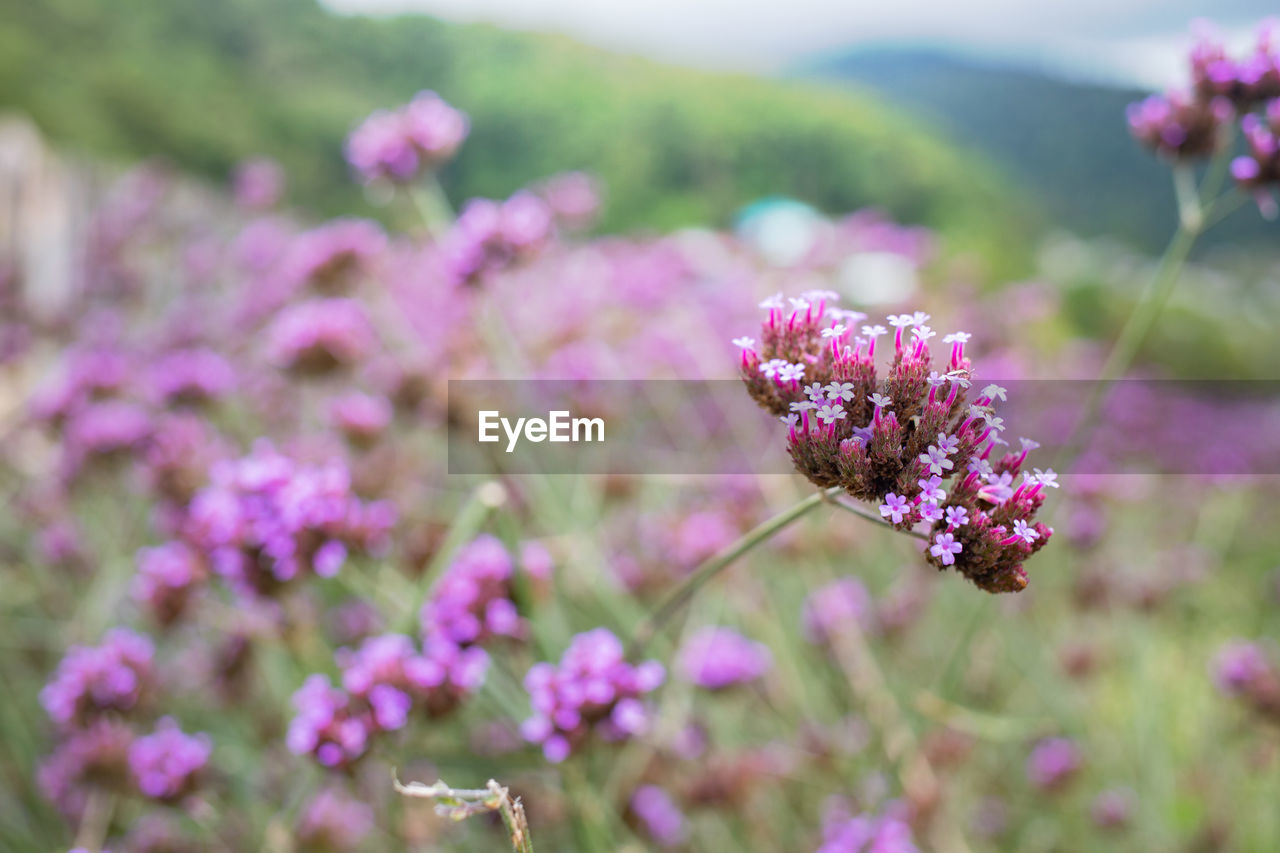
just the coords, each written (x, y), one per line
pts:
(864, 514)
(720, 561)
(433, 205)
(1134, 333)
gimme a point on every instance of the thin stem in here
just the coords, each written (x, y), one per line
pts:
(1132, 335)
(433, 205)
(864, 514)
(486, 497)
(720, 561)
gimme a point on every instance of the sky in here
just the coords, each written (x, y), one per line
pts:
(1124, 41)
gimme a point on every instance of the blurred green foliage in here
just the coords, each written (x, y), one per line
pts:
(205, 84)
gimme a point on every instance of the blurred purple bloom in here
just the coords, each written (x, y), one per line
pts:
(659, 814)
(716, 658)
(167, 762)
(1052, 763)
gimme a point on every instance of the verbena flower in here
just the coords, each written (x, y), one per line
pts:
(320, 336)
(1052, 763)
(93, 758)
(188, 376)
(419, 136)
(472, 601)
(1245, 81)
(333, 822)
(912, 442)
(1259, 170)
(490, 236)
(258, 183)
(362, 418)
(593, 690)
(112, 677)
(265, 519)
(846, 832)
(659, 815)
(716, 658)
(168, 576)
(1180, 126)
(167, 763)
(830, 608)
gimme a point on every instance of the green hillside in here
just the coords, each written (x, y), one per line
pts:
(1066, 142)
(207, 82)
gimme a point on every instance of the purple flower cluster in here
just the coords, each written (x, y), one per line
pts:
(258, 184)
(320, 336)
(490, 236)
(1178, 125)
(334, 822)
(167, 763)
(1245, 82)
(384, 681)
(1185, 125)
(168, 576)
(828, 609)
(94, 697)
(1242, 669)
(361, 418)
(716, 658)
(897, 440)
(845, 832)
(397, 145)
(332, 258)
(593, 690)
(94, 756)
(191, 376)
(115, 676)
(266, 518)
(472, 600)
(1260, 168)
(1053, 763)
(659, 815)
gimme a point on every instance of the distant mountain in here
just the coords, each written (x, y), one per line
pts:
(1065, 142)
(204, 84)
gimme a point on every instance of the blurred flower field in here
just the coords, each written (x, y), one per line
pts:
(246, 607)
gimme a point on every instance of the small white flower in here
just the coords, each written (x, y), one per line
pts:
(791, 420)
(1028, 444)
(935, 379)
(874, 332)
(820, 295)
(771, 367)
(1047, 477)
(919, 318)
(949, 443)
(831, 412)
(995, 392)
(981, 467)
(834, 332)
(745, 343)
(880, 401)
(957, 338)
(960, 378)
(798, 304)
(803, 407)
(839, 391)
(923, 333)
(901, 320)
(814, 392)
(772, 302)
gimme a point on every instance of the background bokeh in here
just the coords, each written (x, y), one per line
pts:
(231, 299)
